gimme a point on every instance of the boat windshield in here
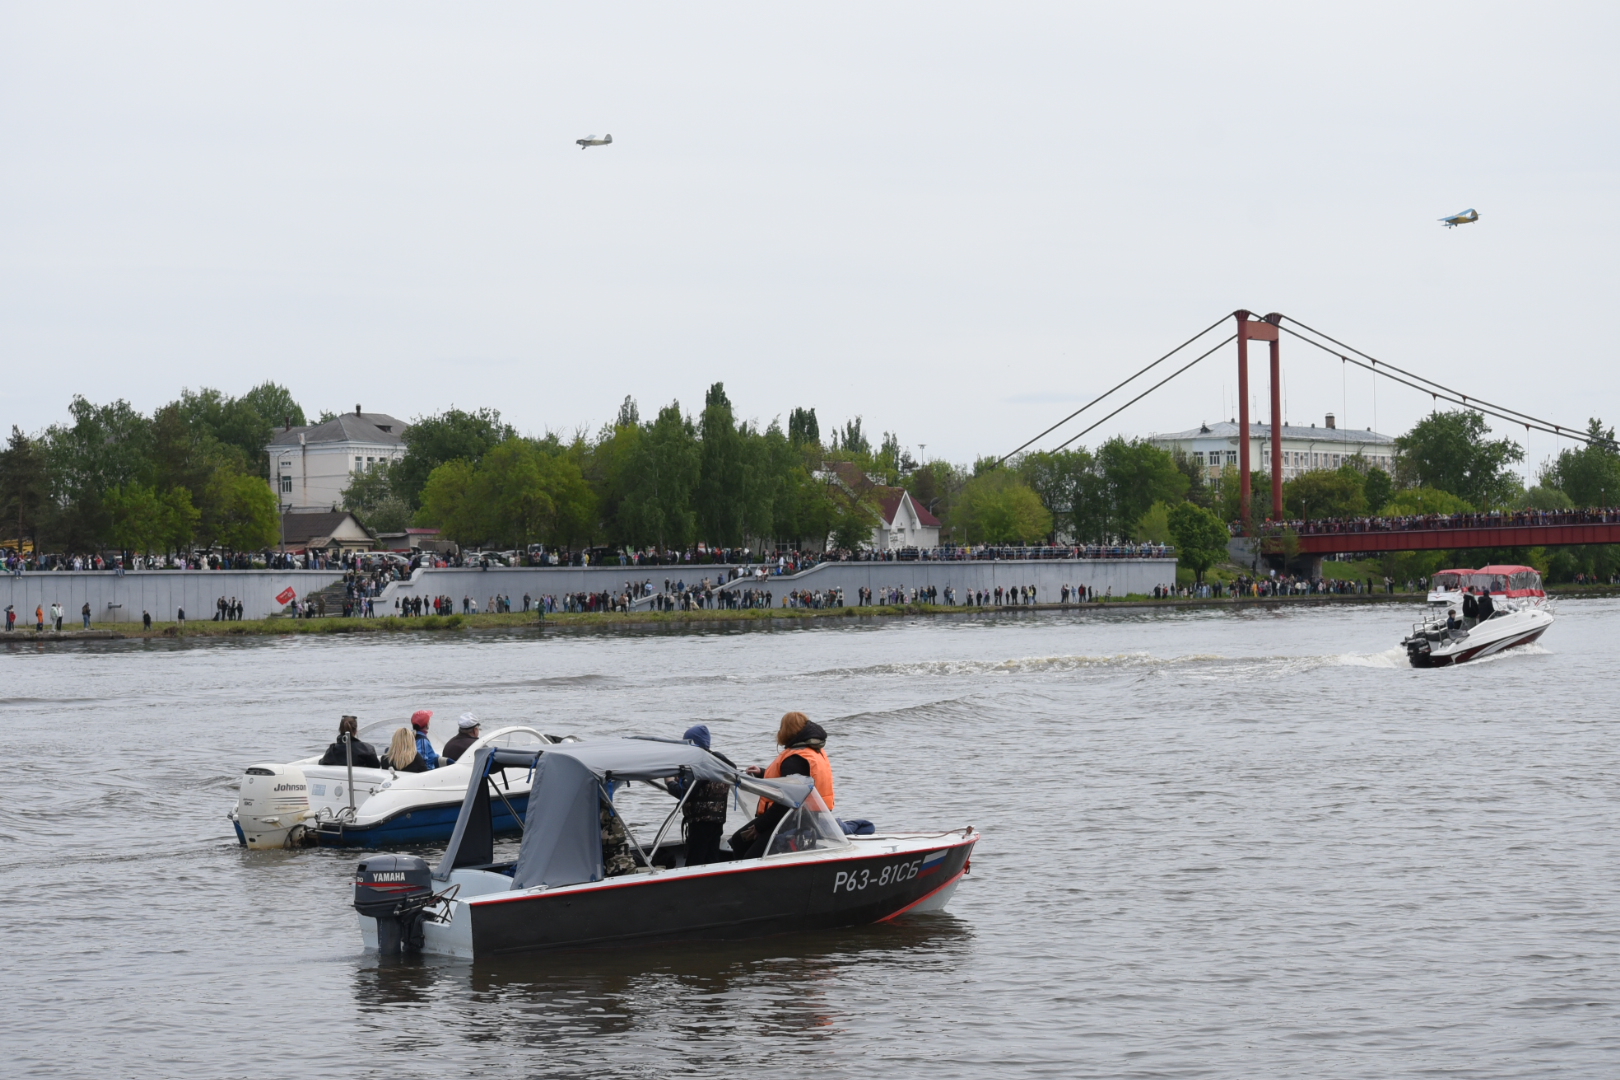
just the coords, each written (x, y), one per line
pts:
(518, 738)
(1527, 581)
(809, 827)
(440, 730)
(1494, 583)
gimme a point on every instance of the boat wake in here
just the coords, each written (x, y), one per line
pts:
(1027, 665)
(1389, 658)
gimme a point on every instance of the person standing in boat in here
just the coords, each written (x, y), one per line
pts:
(804, 754)
(1470, 608)
(1485, 606)
(703, 814)
(365, 755)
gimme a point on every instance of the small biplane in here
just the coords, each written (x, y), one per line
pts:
(1464, 218)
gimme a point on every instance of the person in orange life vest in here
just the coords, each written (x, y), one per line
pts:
(804, 754)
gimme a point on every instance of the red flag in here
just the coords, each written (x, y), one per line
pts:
(287, 595)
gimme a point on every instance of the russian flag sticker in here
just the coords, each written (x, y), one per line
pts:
(933, 861)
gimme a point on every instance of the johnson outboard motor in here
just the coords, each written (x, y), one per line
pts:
(394, 890)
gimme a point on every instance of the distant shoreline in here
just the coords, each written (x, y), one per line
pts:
(393, 624)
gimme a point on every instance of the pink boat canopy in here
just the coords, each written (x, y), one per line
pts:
(1508, 580)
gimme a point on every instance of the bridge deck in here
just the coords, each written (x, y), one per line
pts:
(1492, 536)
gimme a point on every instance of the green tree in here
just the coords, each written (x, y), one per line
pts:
(274, 405)
(853, 522)
(136, 518)
(851, 439)
(803, 429)
(1074, 492)
(609, 468)
(1449, 451)
(629, 415)
(449, 503)
(1154, 527)
(431, 441)
(180, 519)
(371, 498)
(102, 447)
(997, 507)
(247, 516)
(1543, 497)
(721, 499)
(1136, 474)
(1200, 537)
(1231, 497)
(1589, 474)
(522, 493)
(1422, 500)
(657, 508)
(1326, 493)
(242, 426)
(1198, 489)
(1377, 487)
(25, 485)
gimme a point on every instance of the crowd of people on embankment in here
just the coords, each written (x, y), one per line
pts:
(387, 566)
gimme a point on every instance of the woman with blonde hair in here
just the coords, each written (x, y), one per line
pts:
(402, 755)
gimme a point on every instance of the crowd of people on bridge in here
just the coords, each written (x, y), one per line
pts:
(1490, 519)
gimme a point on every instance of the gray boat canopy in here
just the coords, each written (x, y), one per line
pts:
(562, 831)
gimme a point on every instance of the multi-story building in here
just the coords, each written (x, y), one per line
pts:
(1214, 447)
(311, 466)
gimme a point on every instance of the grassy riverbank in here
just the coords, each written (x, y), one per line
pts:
(611, 620)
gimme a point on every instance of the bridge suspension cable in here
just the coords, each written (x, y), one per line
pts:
(1132, 379)
(1434, 389)
(1384, 368)
(1146, 392)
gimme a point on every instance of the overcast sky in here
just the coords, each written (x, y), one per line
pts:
(958, 221)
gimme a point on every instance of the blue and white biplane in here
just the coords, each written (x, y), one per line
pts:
(1464, 218)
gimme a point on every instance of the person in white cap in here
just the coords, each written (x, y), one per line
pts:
(466, 734)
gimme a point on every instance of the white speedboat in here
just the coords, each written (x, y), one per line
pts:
(1514, 622)
(304, 803)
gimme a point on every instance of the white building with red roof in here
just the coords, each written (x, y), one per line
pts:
(902, 523)
(905, 524)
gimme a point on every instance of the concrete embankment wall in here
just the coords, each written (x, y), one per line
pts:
(116, 598)
(1122, 576)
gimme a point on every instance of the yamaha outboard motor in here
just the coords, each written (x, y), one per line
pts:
(394, 890)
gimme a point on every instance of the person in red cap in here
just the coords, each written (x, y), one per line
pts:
(424, 747)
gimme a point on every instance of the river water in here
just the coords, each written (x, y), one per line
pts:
(1215, 844)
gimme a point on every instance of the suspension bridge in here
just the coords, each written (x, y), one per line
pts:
(1368, 535)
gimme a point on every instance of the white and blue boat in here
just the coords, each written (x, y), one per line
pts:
(304, 803)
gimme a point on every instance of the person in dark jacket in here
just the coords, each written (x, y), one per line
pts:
(703, 814)
(466, 734)
(1470, 609)
(365, 755)
(1485, 606)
